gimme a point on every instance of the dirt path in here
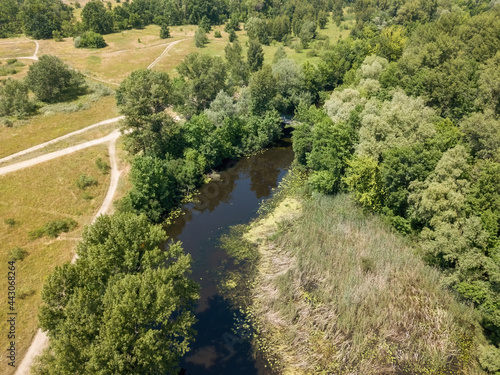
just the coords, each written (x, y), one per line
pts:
(55, 140)
(56, 154)
(41, 340)
(35, 55)
(164, 52)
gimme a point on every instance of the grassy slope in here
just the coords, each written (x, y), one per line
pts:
(337, 291)
(33, 197)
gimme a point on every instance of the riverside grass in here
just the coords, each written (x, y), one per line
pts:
(335, 291)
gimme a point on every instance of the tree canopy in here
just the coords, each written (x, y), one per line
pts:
(124, 307)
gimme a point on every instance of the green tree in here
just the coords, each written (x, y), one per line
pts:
(400, 122)
(237, 66)
(14, 99)
(51, 79)
(332, 146)
(164, 31)
(232, 36)
(205, 77)
(279, 54)
(482, 131)
(200, 37)
(363, 179)
(322, 19)
(143, 97)
(307, 33)
(41, 17)
(9, 18)
(155, 188)
(262, 90)
(290, 86)
(280, 27)
(222, 106)
(257, 30)
(124, 307)
(255, 56)
(205, 24)
(489, 84)
(96, 18)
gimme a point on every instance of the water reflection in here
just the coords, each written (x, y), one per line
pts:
(233, 199)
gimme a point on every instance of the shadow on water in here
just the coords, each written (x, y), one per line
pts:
(232, 199)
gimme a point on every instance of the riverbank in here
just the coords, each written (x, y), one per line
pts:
(334, 290)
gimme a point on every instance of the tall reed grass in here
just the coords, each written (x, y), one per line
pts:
(337, 292)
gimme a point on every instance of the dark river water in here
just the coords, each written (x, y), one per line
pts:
(234, 199)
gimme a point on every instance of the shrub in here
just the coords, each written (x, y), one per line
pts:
(10, 222)
(164, 31)
(56, 227)
(14, 99)
(232, 36)
(57, 36)
(217, 34)
(103, 166)
(17, 253)
(90, 39)
(35, 234)
(85, 181)
(25, 292)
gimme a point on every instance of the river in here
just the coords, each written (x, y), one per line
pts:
(233, 199)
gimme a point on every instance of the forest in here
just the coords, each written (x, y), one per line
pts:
(403, 116)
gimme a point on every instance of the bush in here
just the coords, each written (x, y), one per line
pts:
(57, 36)
(35, 234)
(10, 222)
(17, 253)
(90, 39)
(232, 36)
(56, 227)
(164, 31)
(217, 34)
(103, 166)
(85, 181)
(14, 99)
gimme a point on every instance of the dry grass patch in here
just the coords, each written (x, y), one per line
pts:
(92, 134)
(43, 128)
(33, 197)
(337, 292)
(16, 47)
(127, 51)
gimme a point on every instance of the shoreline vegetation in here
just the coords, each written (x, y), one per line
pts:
(330, 288)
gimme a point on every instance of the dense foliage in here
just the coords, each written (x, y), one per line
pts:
(413, 132)
(123, 307)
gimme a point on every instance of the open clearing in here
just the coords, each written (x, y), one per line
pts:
(43, 128)
(34, 197)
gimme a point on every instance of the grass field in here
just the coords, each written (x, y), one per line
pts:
(92, 134)
(16, 47)
(337, 291)
(34, 197)
(45, 127)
